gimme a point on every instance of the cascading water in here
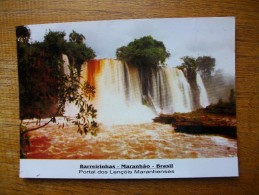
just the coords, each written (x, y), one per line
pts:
(70, 108)
(65, 64)
(125, 111)
(119, 95)
(170, 91)
(204, 101)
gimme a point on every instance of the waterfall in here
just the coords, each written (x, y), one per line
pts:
(65, 64)
(170, 91)
(70, 108)
(119, 94)
(204, 101)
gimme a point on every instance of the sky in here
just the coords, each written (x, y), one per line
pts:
(193, 37)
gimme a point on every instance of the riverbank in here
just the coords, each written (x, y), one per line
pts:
(201, 122)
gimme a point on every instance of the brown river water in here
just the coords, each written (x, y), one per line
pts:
(136, 141)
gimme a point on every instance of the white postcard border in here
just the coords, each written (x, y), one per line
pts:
(129, 169)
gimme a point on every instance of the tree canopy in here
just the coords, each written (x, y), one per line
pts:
(205, 65)
(145, 51)
(23, 34)
(78, 53)
(54, 43)
(76, 37)
(189, 67)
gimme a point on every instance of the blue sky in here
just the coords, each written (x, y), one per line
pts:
(182, 37)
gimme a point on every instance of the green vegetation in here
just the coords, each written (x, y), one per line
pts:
(45, 88)
(145, 51)
(77, 51)
(189, 67)
(204, 65)
(147, 54)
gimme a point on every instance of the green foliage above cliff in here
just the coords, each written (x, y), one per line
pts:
(206, 65)
(203, 64)
(189, 67)
(145, 51)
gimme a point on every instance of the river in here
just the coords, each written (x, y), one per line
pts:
(136, 141)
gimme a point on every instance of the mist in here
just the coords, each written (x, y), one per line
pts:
(219, 85)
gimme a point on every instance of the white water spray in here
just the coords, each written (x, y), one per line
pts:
(204, 101)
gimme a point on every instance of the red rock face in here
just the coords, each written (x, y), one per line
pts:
(41, 96)
(93, 68)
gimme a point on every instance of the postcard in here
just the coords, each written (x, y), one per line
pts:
(125, 99)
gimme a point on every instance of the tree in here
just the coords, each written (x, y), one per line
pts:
(44, 88)
(189, 67)
(54, 43)
(77, 51)
(23, 34)
(145, 51)
(146, 54)
(76, 37)
(205, 65)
